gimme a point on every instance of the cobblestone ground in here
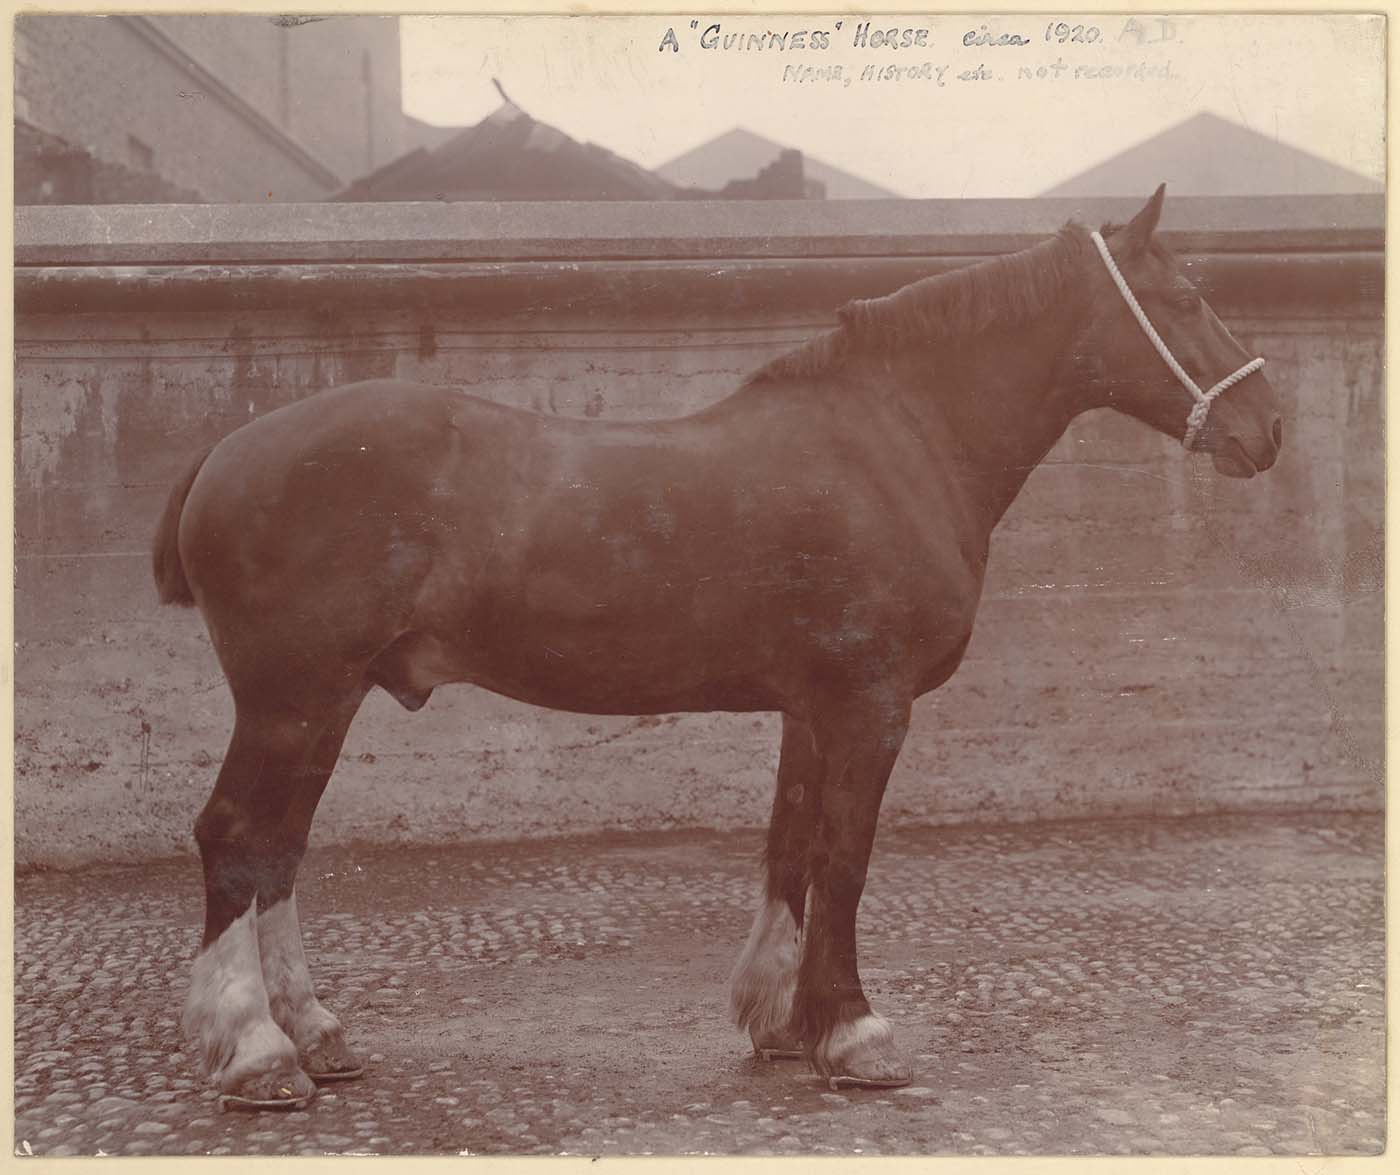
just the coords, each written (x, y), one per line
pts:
(1177, 987)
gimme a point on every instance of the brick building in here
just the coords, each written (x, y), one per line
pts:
(236, 108)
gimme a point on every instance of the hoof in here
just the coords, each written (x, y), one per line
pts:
(776, 1046)
(868, 1060)
(851, 1081)
(330, 1059)
(327, 1076)
(286, 1090)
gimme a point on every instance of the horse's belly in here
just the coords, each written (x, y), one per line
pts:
(610, 680)
(566, 688)
(552, 645)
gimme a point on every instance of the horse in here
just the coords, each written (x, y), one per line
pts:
(813, 544)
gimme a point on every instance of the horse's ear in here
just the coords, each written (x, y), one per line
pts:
(1140, 229)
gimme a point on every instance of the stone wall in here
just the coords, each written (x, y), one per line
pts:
(1154, 638)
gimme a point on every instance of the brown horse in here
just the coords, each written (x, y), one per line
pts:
(814, 544)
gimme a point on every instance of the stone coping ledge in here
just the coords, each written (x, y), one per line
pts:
(1332, 284)
(203, 234)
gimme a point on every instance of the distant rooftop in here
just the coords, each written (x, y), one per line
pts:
(740, 152)
(1210, 156)
(511, 156)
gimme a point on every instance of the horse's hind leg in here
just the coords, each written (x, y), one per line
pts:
(765, 977)
(322, 1052)
(227, 1015)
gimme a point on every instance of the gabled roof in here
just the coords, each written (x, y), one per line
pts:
(1210, 156)
(417, 133)
(740, 152)
(510, 156)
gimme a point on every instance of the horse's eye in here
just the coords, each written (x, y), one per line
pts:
(1187, 302)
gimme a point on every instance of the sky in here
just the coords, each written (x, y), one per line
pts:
(973, 119)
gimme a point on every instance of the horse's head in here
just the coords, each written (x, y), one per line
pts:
(1173, 383)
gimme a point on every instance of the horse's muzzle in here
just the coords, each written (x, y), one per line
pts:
(1235, 458)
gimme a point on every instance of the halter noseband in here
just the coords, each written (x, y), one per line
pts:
(1203, 400)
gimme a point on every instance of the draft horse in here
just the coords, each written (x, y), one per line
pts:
(814, 544)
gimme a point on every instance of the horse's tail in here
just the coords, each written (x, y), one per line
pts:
(171, 584)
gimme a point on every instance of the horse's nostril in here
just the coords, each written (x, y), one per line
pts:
(1278, 432)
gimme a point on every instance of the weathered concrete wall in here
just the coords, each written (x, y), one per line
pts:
(1154, 638)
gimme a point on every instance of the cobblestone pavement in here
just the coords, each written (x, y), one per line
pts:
(1173, 987)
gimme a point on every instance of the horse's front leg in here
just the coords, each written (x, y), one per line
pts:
(845, 1040)
(765, 978)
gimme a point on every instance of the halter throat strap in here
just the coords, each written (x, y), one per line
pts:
(1197, 417)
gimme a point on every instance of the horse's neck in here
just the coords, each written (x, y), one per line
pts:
(994, 410)
(988, 409)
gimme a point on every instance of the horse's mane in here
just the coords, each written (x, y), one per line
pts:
(961, 304)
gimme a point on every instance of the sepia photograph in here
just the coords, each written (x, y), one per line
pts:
(739, 584)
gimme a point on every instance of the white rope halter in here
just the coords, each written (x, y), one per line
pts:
(1199, 411)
